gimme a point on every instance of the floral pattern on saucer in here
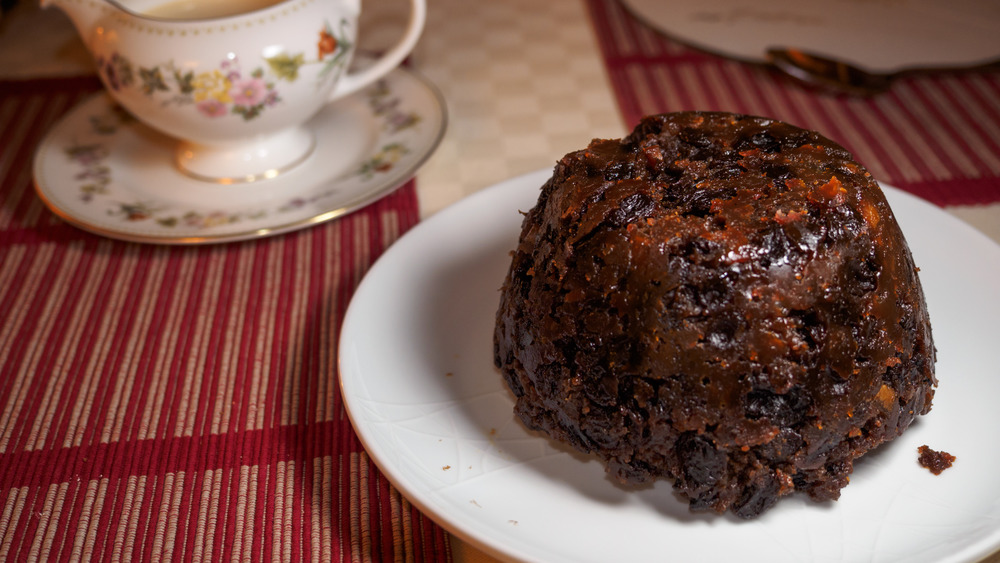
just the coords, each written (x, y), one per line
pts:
(96, 175)
(103, 171)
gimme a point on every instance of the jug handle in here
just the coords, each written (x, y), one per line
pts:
(353, 81)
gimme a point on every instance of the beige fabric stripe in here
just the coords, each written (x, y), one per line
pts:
(229, 355)
(648, 40)
(125, 531)
(934, 89)
(15, 320)
(851, 122)
(334, 266)
(298, 317)
(315, 518)
(362, 248)
(78, 325)
(227, 498)
(986, 92)
(823, 112)
(165, 523)
(326, 501)
(942, 143)
(176, 498)
(366, 515)
(89, 376)
(240, 533)
(48, 321)
(246, 527)
(390, 228)
(48, 498)
(197, 549)
(281, 524)
(343, 496)
(86, 494)
(12, 511)
(665, 83)
(690, 81)
(327, 315)
(409, 537)
(51, 514)
(317, 514)
(15, 255)
(260, 374)
(188, 406)
(279, 521)
(289, 498)
(622, 37)
(909, 135)
(746, 81)
(642, 93)
(716, 78)
(171, 328)
(732, 83)
(354, 486)
(124, 377)
(208, 515)
(974, 107)
(92, 517)
(400, 553)
(105, 326)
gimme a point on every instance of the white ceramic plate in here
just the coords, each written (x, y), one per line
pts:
(420, 387)
(105, 172)
(885, 35)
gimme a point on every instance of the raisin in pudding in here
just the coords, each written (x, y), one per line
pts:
(720, 300)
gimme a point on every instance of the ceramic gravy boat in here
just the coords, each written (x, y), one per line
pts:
(234, 80)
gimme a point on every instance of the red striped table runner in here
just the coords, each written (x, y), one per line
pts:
(182, 403)
(936, 136)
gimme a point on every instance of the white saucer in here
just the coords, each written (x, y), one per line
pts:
(105, 172)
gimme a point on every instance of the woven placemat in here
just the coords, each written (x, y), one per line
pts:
(182, 402)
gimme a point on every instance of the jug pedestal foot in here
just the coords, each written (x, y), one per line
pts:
(260, 158)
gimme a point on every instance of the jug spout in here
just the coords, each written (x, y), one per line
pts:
(84, 15)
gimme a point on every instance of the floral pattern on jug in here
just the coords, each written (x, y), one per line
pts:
(227, 89)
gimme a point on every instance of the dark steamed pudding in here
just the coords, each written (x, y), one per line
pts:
(720, 300)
